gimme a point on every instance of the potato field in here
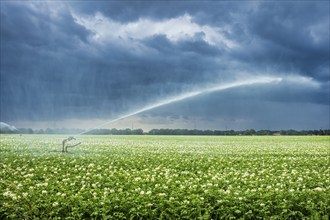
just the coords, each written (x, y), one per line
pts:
(165, 177)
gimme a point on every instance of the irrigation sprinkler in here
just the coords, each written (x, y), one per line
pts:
(65, 147)
(177, 98)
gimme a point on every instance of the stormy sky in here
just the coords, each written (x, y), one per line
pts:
(78, 64)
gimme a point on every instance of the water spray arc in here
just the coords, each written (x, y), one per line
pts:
(180, 97)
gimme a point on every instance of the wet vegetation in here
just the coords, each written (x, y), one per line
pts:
(165, 177)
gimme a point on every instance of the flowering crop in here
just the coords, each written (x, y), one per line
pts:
(165, 177)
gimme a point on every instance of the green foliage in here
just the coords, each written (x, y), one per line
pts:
(165, 177)
(127, 131)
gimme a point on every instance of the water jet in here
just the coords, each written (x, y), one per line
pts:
(187, 95)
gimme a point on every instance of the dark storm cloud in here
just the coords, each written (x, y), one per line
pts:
(289, 36)
(62, 60)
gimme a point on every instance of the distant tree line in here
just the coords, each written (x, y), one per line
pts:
(40, 131)
(236, 133)
(115, 131)
(128, 131)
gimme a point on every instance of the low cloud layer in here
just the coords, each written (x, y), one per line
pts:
(95, 61)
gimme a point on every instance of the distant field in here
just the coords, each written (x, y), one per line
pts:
(165, 177)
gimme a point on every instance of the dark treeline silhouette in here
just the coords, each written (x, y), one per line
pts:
(40, 131)
(236, 133)
(114, 131)
(128, 131)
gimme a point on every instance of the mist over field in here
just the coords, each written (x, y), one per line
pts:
(81, 64)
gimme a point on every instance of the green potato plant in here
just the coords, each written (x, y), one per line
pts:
(165, 177)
